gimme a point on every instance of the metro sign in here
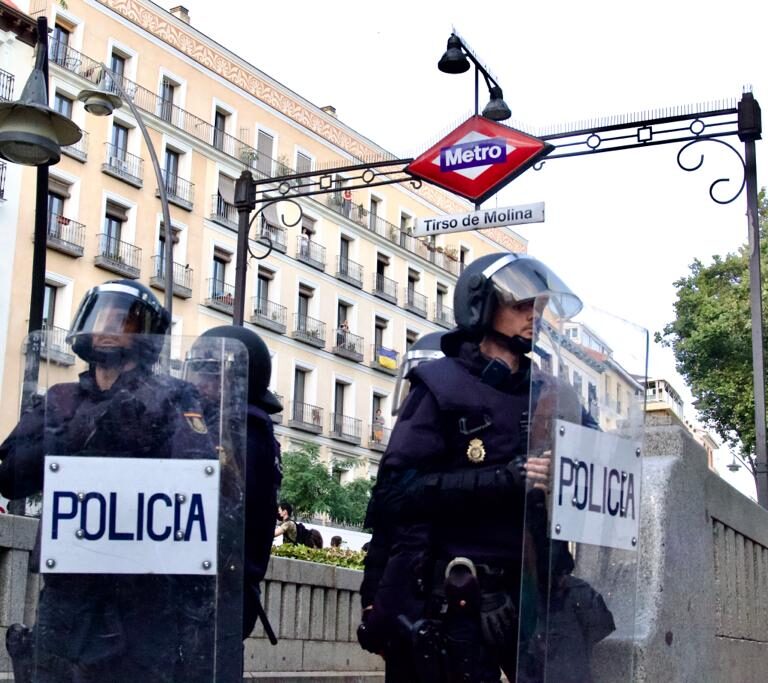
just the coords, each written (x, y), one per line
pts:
(478, 158)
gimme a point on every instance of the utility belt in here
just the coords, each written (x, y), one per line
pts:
(491, 578)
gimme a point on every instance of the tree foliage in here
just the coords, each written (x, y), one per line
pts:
(309, 486)
(711, 338)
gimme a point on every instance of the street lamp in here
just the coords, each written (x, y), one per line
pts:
(454, 61)
(102, 102)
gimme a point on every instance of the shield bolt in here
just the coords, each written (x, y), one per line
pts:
(637, 452)
(50, 563)
(81, 496)
(206, 564)
(557, 528)
(54, 467)
(634, 541)
(181, 498)
(80, 533)
(179, 535)
(562, 431)
(209, 470)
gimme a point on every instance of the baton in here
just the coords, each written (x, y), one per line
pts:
(265, 621)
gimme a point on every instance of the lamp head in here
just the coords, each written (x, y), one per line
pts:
(497, 109)
(99, 102)
(453, 61)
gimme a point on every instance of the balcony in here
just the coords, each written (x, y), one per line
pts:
(309, 330)
(277, 418)
(345, 428)
(3, 168)
(309, 252)
(441, 259)
(306, 417)
(378, 438)
(269, 315)
(65, 235)
(54, 347)
(349, 345)
(123, 166)
(415, 303)
(6, 86)
(384, 359)
(384, 288)
(349, 271)
(221, 296)
(180, 192)
(118, 257)
(276, 234)
(222, 213)
(79, 150)
(443, 316)
(182, 277)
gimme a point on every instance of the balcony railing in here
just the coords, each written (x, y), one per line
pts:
(79, 150)
(6, 86)
(118, 256)
(444, 316)
(223, 213)
(182, 277)
(442, 260)
(349, 345)
(306, 417)
(65, 235)
(180, 192)
(378, 438)
(54, 346)
(276, 234)
(3, 167)
(277, 418)
(415, 303)
(345, 428)
(221, 296)
(151, 103)
(384, 359)
(384, 288)
(309, 330)
(310, 252)
(349, 271)
(269, 314)
(120, 164)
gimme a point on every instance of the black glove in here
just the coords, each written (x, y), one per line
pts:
(372, 633)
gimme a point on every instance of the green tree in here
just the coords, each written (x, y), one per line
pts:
(712, 343)
(307, 484)
(349, 502)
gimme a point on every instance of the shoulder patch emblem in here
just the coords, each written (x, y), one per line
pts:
(476, 451)
(196, 422)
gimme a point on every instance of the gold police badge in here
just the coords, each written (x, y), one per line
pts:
(476, 451)
(196, 422)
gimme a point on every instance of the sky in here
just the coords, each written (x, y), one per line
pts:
(620, 227)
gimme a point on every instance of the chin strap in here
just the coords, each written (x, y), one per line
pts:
(516, 344)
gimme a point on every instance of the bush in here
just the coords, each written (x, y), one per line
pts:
(349, 559)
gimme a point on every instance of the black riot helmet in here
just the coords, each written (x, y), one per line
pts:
(259, 364)
(426, 347)
(506, 278)
(119, 309)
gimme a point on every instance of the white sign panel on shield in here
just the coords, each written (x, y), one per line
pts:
(595, 487)
(129, 516)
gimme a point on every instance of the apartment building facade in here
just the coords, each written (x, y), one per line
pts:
(344, 292)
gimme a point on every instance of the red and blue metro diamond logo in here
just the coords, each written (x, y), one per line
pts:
(478, 158)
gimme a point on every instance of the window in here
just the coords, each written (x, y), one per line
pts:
(563, 372)
(263, 281)
(303, 165)
(305, 297)
(577, 382)
(264, 150)
(221, 258)
(167, 93)
(63, 104)
(119, 141)
(172, 158)
(219, 128)
(410, 338)
(161, 246)
(440, 295)
(299, 387)
(406, 222)
(49, 305)
(115, 216)
(339, 392)
(60, 46)
(342, 313)
(380, 327)
(463, 258)
(117, 68)
(381, 265)
(55, 206)
(374, 210)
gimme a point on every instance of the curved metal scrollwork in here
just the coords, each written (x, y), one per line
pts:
(416, 183)
(717, 182)
(266, 240)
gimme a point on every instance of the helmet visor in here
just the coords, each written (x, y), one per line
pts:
(112, 314)
(517, 279)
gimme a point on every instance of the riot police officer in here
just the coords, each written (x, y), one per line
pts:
(99, 627)
(448, 508)
(263, 473)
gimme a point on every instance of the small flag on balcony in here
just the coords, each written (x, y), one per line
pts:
(387, 358)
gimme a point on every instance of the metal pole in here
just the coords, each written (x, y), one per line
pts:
(749, 131)
(167, 229)
(245, 201)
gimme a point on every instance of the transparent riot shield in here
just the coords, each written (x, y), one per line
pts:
(132, 456)
(582, 511)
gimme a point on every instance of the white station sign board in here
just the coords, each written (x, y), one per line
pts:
(129, 516)
(477, 220)
(595, 487)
